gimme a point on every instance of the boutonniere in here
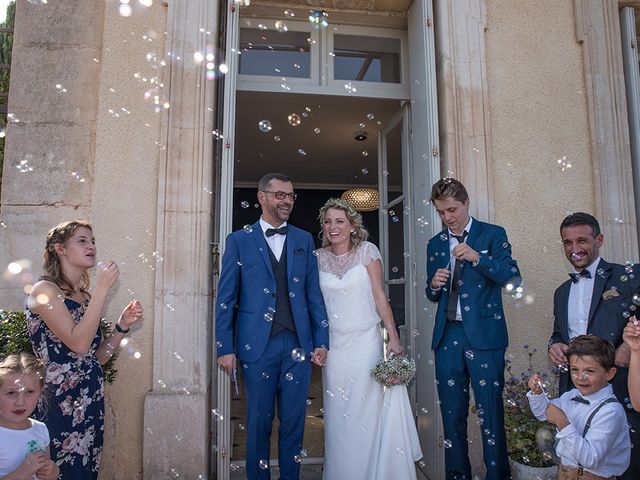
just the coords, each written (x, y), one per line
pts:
(610, 294)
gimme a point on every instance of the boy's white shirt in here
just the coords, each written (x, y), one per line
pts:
(606, 449)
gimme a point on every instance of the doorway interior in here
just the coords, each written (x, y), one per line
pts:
(327, 144)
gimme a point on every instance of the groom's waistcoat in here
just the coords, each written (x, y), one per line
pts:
(282, 318)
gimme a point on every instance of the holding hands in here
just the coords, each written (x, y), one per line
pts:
(319, 356)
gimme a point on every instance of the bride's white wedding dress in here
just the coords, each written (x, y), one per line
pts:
(367, 434)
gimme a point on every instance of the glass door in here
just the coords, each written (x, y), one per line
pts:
(396, 219)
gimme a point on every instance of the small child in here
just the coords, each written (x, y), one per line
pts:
(593, 435)
(24, 442)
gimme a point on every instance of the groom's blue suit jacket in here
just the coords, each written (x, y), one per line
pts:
(480, 293)
(246, 300)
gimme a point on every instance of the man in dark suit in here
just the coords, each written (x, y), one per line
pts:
(270, 314)
(468, 264)
(596, 299)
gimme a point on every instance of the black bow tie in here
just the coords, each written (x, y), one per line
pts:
(580, 399)
(276, 231)
(575, 277)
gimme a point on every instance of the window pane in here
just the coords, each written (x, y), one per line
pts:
(273, 53)
(393, 176)
(396, 242)
(368, 59)
(397, 303)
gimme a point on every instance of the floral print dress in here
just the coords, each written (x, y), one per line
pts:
(73, 407)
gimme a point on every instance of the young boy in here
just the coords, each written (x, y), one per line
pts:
(593, 435)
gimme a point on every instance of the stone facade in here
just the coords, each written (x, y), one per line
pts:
(523, 87)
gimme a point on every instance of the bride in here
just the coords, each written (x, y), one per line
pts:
(357, 437)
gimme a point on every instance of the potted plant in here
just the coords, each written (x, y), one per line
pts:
(530, 443)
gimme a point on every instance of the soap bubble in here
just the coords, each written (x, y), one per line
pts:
(264, 126)
(294, 119)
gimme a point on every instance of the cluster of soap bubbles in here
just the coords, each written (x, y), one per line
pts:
(125, 9)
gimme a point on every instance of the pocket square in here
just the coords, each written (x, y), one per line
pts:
(484, 251)
(610, 294)
(298, 251)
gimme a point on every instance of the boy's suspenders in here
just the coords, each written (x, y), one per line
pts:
(587, 425)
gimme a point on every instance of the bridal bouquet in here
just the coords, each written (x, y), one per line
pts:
(394, 370)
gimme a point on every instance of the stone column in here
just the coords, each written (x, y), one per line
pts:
(176, 437)
(50, 145)
(598, 30)
(463, 98)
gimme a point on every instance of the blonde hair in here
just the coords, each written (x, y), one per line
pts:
(52, 267)
(358, 232)
(22, 364)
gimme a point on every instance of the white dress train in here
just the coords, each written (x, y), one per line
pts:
(369, 434)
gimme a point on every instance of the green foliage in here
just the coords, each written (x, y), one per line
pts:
(529, 440)
(14, 338)
(13, 334)
(6, 47)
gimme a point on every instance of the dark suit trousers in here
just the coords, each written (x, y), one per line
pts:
(276, 376)
(457, 363)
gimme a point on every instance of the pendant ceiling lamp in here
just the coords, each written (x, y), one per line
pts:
(362, 199)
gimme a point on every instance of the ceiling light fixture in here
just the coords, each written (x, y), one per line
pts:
(362, 199)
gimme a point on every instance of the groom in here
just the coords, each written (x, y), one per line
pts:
(469, 263)
(271, 316)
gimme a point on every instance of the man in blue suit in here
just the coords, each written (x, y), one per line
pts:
(270, 315)
(594, 301)
(468, 264)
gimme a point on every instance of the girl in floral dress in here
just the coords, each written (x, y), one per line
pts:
(64, 328)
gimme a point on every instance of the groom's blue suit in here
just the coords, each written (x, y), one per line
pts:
(245, 312)
(474, 348)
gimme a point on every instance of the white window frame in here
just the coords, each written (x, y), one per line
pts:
(322, 69)
(274, 82)
(368, 89)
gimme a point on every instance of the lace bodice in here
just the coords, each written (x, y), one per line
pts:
(346, 288)
(339, 265)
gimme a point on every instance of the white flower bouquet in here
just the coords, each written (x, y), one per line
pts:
(394, 370)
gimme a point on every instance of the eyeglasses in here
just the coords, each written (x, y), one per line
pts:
(281, 195)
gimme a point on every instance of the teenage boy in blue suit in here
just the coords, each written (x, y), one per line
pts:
(270, 315)
(468, 264)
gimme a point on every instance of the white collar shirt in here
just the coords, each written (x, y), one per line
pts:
(606, 449)
(275, 242)
(452, 261)
(580, 294)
